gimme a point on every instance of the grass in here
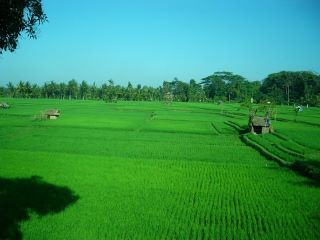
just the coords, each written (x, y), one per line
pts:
(152, 171)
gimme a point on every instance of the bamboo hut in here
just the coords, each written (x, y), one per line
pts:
(52, 114)
(260, 125)
(4, 105)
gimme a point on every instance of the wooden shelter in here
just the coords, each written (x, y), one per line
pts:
(52, 114)
(4, 105)
(260, 125)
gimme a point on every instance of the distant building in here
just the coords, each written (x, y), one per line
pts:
(52, 114)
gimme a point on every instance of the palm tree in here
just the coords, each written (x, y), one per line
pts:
(83, 89)
(36, 91)
(28, 89)
(62, 90)
(20, 89)
(11, 89)
(93, 91)
(72, 89)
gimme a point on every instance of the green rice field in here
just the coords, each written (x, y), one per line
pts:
(146, 170)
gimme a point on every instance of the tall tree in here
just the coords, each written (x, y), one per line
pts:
(53, 90)
(72, 89)
(166, 89)
(93, 91)
(84, 89)
(297, 87)
(28, 89)
(35, 91)
(11, 89)
(2, 91)
(109, 91)
(129, 92)
(195, 92)
(224, 84)
(20, 89)
(62, 90)
(180, 90)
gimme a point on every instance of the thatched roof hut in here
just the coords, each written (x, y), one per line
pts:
(260, 121)
(4, 105)
(260, 125)
(52, 113)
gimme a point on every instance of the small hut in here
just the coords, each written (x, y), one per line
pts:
(52, 114)
(4, 105)
(260, 125)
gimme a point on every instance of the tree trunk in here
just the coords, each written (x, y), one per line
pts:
(288, 95)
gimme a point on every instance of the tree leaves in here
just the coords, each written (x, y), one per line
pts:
(16, 17)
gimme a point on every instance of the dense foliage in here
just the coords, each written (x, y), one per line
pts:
(293, 87)
(16, 17)
(280, 88)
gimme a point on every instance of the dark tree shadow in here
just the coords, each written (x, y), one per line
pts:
(308, 182)
(317, 217)
(21, 195)
(310, 169)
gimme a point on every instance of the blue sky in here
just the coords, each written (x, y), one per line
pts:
(148, 42)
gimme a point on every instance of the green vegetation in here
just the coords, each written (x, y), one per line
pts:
(16, 18)
(148, 170)
(278, 88)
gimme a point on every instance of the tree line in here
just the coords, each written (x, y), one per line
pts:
(286, 87)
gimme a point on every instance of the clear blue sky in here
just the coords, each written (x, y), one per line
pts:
(148, 41)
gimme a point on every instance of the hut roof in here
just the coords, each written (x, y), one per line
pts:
(52, 112)
(4, 105)
(260, 121)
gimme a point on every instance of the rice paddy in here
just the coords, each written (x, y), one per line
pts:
(146, 170)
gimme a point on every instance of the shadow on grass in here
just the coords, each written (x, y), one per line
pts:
(317, 217)
(308, 182)
(272, 166)
(310, 169)
(315, 164)
(21, 195)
